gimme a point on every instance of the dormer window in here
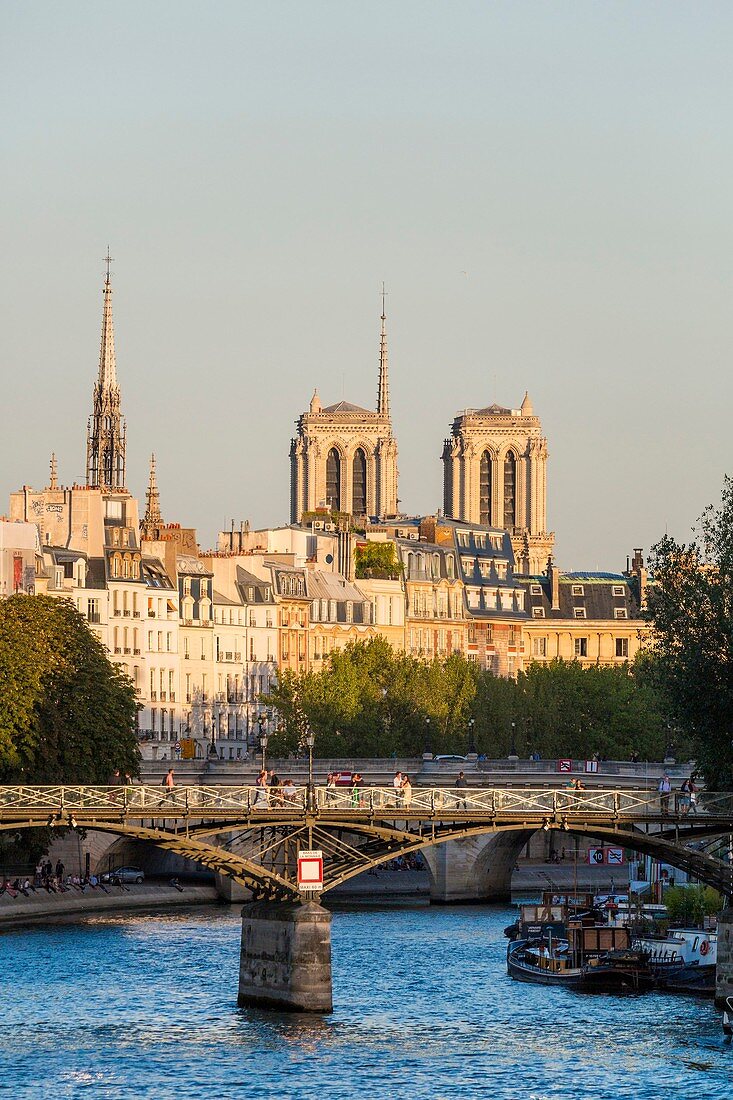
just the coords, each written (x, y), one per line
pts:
(578, 590)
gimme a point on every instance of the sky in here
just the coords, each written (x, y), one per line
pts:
(545, 189)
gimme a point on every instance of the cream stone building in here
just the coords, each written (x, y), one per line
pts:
(495, 474)
(344, 457)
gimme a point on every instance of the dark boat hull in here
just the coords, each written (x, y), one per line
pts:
(599, 978)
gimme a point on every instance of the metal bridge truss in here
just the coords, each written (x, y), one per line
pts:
(253, 836)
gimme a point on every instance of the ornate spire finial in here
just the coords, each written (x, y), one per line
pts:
(108, 260)
(383, 390)
(107, 362)
(53, 483)
(152, 517)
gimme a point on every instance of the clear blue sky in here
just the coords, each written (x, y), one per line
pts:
(545, 188)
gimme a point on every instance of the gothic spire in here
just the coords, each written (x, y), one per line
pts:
(106, 429)
(383, 391)
(107, 365)
(152, 517)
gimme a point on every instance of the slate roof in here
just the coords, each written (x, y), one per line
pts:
(597, 598)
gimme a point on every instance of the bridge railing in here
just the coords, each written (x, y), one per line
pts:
(422, 801)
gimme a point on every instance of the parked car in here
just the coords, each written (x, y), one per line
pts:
(124, 874)
(449, 759)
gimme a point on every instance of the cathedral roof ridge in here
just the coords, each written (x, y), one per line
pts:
(348, 407)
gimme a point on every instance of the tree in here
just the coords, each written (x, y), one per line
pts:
(688, 905)
(377, 559)
(691, 612)
(67, 714)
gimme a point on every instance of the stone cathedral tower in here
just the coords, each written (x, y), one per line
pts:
(344, 457)
(495, 473)
(106, 426)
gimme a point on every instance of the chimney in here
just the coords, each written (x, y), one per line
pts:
(638, 570)
(554, 574)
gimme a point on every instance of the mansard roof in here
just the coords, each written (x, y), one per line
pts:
(603, 594)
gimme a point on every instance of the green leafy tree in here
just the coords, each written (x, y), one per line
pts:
(67, 713)
(690, 904)
(377, 559)
(691, 613)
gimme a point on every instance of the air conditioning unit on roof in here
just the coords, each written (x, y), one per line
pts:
(329, 527)
(414, 535)
(317, 524)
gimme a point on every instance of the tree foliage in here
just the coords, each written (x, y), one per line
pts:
(688, 905)
(377, 559)
(691, 611)
(67, 714)
(368, 700)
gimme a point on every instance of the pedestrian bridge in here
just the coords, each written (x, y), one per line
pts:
(253, 836)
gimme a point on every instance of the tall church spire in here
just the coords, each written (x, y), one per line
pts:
(383, 391)
(106, 425)
(152, 517)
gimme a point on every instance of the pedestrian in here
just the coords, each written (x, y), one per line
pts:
(406, 791)
(356, 783)
(692, 795)
(462, 784)
(397, 784)
(664, 788)
(59, 869)
(330, 789)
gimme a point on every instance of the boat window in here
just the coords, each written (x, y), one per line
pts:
(696, 941)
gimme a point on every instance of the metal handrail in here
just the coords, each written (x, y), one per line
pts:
(385, 801)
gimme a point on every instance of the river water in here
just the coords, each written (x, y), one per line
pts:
(145, 1006)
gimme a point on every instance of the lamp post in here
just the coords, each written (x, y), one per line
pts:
(310, 740)
(263, 738)
(427, 752)
(513, 746)
(471, 742)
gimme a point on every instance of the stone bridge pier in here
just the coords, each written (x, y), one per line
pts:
(476, 869)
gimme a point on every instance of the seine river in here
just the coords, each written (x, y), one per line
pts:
(145, 1006)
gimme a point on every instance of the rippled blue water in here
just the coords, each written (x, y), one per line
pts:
(145, 1006)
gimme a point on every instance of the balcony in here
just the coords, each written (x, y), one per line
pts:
(136, 652)
(118, 649)
(126, 614)
(237, 656)
(172, 696)
(136, 614)
(162, 696)
(154, 696)
(93, 617)
(116, 611)
(127, 649)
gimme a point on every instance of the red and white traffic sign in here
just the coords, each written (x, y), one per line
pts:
(564, 765)
(595, 855)
(310, 870)
(614, 856)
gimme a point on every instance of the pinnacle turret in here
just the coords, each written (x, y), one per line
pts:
(152, 517)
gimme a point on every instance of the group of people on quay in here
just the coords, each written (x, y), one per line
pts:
(50, 878)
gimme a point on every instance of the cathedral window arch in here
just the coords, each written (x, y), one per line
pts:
(485, 489)
(510, 491)
(359, 483)
(333, 479)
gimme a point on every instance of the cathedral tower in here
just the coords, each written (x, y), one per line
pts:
(344, 457)
(495, 473)
(106, 426)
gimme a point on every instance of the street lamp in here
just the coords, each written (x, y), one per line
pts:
(471, 742)
(310, 740)
(263, 746)
(427, 737)
(513, 747)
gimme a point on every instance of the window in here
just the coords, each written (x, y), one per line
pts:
(510, 502)
(359, 483)
(581, 647)
(535, 590)
(93, 611)
(538, 612)
(539, 647)
(622, 647)
(620, 613)
(578, 590)
(333, 479)
(579, 612)
(186, 586)
(485, 489)
(618, 590)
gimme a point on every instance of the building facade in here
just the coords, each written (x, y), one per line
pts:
(495, 475)
(344, 457)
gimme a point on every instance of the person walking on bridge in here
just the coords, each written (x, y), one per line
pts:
(462, 784)
(665, 788)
